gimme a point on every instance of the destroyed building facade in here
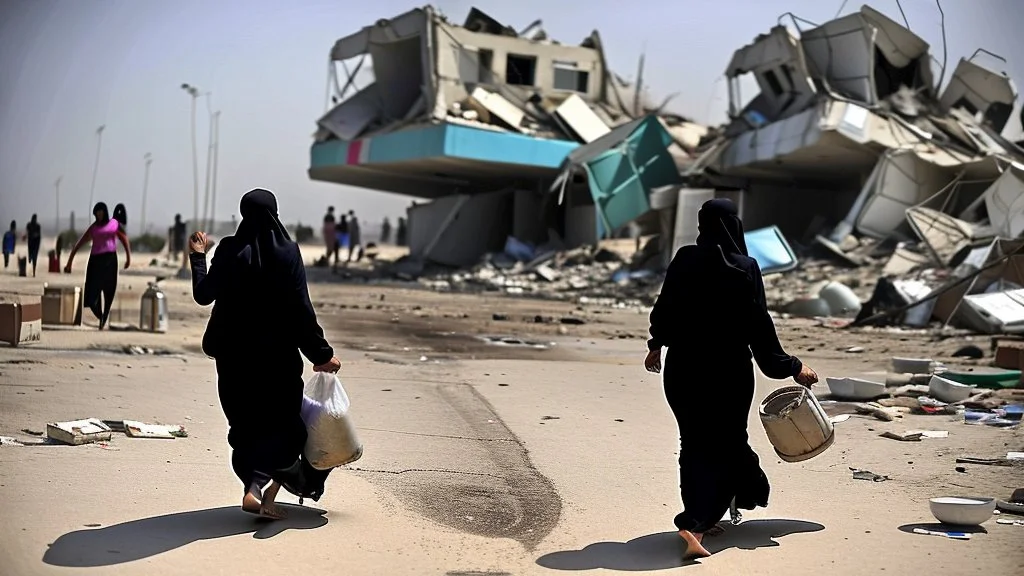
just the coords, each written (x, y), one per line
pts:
(849, 126)
(854, 144)
(478, 120)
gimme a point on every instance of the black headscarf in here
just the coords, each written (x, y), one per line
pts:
(721, 230)
(262, 237)
(121, 215)
(106, 213)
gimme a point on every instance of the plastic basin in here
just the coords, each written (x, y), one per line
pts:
(962, 510)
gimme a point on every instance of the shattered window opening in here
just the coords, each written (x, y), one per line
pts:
(520, 70)
(889, 78)
(475, 65)
(485, 63)
(789, 76)
(570, 78)
(773, 82)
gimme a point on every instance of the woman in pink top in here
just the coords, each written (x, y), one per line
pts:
(101, 273)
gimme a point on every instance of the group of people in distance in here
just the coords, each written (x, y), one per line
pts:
(342, 233)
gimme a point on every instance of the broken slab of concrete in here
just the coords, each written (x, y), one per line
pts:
(78, 432)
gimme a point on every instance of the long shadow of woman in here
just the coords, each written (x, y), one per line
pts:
(664, 550)
(138, 539)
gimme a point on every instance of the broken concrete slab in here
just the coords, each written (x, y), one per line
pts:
(78, 432)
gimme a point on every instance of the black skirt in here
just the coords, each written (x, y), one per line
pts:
(100, 276)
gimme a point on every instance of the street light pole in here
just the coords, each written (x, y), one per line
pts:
(213, 181)
(194, 92)
(145, 186)
(57, 186)
(184, 271)
(96, 167)
(209, 163)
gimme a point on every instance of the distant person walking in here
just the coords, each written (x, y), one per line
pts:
(9, 239)
(401, 232)
(261, 264)
(177, 238)
(355, 237)
(330, 235)
(385, 231)
(34, 237)
(101, 272)
(341, 233)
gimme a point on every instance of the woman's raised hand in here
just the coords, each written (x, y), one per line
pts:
(198, 243)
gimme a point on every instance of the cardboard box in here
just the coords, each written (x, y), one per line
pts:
(1009, 354)
(62, 306)
(21, 322)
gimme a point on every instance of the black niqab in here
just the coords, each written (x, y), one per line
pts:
(262, 237)
(721, 229)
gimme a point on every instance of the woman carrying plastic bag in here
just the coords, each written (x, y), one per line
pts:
(331, 438)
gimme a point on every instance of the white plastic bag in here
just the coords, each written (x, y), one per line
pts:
(332, 440)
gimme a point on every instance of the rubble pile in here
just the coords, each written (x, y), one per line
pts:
(590, 274)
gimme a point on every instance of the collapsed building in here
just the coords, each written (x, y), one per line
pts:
(852, 148)
(849, 126)
(477, 120)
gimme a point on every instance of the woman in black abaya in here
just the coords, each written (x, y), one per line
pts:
(711, 316)
(262, 311)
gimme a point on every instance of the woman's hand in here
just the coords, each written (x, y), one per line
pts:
(127, 262)
(332, 366)
(806, 377)
(198, 243)
(67, 267)
(653, 361)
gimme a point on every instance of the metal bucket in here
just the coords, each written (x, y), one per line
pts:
(796, 424)
(153, 310)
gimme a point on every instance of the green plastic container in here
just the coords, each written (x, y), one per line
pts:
(993, 378)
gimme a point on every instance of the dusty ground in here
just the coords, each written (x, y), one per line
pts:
(544, 449)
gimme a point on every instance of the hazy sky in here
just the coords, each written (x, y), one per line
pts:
(68, 66)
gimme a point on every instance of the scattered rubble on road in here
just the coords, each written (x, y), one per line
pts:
(95, 431)
(979, 396)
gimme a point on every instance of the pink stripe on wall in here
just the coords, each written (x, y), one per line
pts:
(353, 153)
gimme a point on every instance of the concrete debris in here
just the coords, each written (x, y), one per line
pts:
(78, 432)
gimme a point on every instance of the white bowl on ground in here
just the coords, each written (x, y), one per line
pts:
(961, 510)
(855, 388)
(912, 365)
(949, 391)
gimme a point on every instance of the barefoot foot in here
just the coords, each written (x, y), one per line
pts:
(252, 500)
(694, 548)
(268, 509)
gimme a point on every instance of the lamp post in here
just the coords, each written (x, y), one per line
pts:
(184, 271)
(209, 162)
(56, 185)
(148, 158)
(96, 166)
(212, 223)
(194, 93)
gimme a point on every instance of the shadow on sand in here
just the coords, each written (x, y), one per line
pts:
(665, 550)
(938, 527)
(138, 539)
